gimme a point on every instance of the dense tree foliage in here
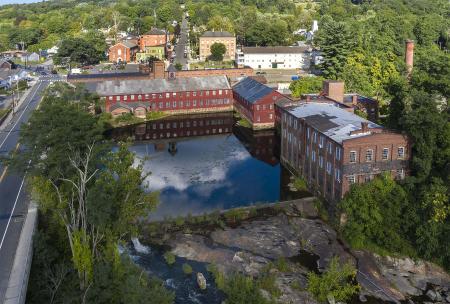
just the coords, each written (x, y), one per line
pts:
(90, 196)
(306, 85)
(217, 51)
(363, 42)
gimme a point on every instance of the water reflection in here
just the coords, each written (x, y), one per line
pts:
(203, 163)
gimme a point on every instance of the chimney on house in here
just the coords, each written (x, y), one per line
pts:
(355, 99)
(409, 56)
(334, 89)
(364, 126)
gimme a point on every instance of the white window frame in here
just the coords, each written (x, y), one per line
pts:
(369, 152)
(401, 154)
(385, 156)
(353, 160)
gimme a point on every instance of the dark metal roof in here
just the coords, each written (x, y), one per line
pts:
(105, 75)
(217, 34)
(251, 90)
(155, 31)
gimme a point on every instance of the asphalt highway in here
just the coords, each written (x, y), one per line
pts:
(13, 197)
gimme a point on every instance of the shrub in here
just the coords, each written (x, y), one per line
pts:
(219, 277)
(300, 184)
(338, 281)
(241, 289)
(187, 269)
(282, 265)
(169, 257)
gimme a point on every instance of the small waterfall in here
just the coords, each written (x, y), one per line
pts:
(139, 247)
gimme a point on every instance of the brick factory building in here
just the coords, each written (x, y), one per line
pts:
(211, 37)
(256, 102)
(333, 148)
(177, 95)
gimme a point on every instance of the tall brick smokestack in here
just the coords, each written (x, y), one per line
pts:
(409, 55)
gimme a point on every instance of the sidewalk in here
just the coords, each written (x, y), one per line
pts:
(23, 96)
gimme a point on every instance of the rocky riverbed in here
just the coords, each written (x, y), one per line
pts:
(295, 233)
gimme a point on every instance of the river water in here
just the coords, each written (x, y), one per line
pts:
(202, 163)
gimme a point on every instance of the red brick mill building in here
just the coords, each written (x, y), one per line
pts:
(333, 148)
(256, 102)
(173, 95)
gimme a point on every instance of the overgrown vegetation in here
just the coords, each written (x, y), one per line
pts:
(89, 198)
(337, 282)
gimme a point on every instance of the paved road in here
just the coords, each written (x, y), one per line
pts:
(183, 42)
(13, 197)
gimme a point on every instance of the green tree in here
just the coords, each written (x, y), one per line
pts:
(372, 212)
(306, 85)
(338, 282)
(335, 42)
(217, 51)
(78, 51)
(220, 23)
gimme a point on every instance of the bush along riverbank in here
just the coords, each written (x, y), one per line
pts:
(284, 253)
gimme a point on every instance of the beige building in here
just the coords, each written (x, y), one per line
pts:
(211, 37)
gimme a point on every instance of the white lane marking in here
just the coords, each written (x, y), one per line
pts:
(21, 114)
(12, 212)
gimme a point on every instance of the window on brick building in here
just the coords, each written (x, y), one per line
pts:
(321, 141)
(161, 105)
(125, 97)
(367, 178)
(132, 97)
(307, 151)
(257, 108)
(167, 95)
(174, 94)
(330, 148)
(139, 97)
(369, 155)
(295, 123)
(351, 179)
(174, 104)
(207, 93)
(220, 92)
(110, 98)
(315, 136)
(271, 106)
(188, 94)
(167, 105)
(385, 154)
(321, 161)
(401, 152)
(313, 156)
(307, 133)
(337, 175)
(270, 116)
(353, 156)
(328, 167)
(338, 153)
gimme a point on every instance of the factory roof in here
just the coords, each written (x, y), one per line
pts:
(123, 87)
(332, 121)
(251, 90)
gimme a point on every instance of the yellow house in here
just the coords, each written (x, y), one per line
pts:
(157, 51)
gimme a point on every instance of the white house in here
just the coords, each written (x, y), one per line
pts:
(53, 50)
(276, 57)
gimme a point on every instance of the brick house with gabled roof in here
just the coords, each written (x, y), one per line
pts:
(256, 102)
(124, 51)
(154, 37)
